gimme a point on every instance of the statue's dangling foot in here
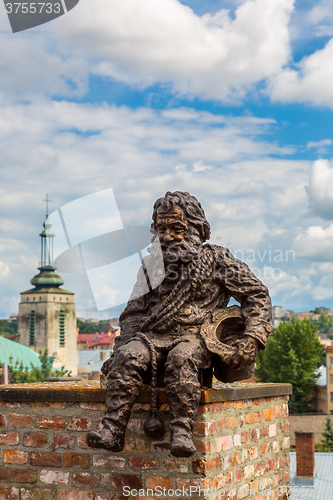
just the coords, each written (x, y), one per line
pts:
(181, 443)
(106, 439)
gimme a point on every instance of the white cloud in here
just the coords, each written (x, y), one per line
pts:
(319, 144)
(320, 189)
(309, 82)
(215, 56)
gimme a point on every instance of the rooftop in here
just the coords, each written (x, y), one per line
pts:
(322, 488)
(18, 352)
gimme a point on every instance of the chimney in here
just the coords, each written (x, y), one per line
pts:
(305, 456)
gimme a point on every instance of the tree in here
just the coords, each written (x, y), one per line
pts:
(292, 355)
(328, 434)
(20, 374)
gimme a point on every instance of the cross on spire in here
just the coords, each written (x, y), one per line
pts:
(47, 200)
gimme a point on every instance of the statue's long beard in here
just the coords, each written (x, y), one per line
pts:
(181, 254)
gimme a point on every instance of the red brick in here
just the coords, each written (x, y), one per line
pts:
(246, 437)
(253, 452)
(285, 410)
(54, 477)
(203, 484)
(223, 443)
(17, 475)
(175, 465)
(4, 404)
(202, 447)
(82, 442)
(3, 420)
(268, 414)
(16, 420)
(271, 464)
(35, 439)
(277, 411)
(235, 459)
(231, 422)
(135, 425)
(10, 438)
(203, 409)
(46, 459)
(238, 404)
(221, 481)
(264, 448)
(257, 401)
(251, 418)
(154, 481)
(108, 462)
(78, 495)
(264, 432)
(282, 461)
(260, 469)
(205, 466)
(9, 493)
(216, 407)
(35, 494)
(52, 423)
(142, 463)
(204, 428)
(219, 424)
(228, 405)
(238, 474)
(119, 481)
(59, 441)
(15, 457)
(286, 477)
(80, 459)
(268, 399)
(79, 424)
(86, 479)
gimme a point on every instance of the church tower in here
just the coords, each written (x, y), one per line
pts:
(47, 318)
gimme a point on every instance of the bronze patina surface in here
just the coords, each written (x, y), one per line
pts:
(182, 332)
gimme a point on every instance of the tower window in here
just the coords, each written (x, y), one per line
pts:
(62, 328)
(32, 324)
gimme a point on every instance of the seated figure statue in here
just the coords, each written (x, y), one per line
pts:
(183, 326)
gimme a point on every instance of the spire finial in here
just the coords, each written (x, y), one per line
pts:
(47, 200)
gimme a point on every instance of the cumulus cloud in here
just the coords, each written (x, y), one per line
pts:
(309, 82)
(215, 56)
(320, 189)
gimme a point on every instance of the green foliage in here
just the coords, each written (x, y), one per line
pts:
(87, 327)
(8, 327)
(292, 355)
(328, 434)
(20, 374)
(324, 323)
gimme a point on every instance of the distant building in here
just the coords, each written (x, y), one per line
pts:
(93, 341)
(47, 318)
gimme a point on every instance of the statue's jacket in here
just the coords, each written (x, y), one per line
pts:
(193, 309)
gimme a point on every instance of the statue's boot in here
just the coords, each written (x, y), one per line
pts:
(106, 439)
(181, 442)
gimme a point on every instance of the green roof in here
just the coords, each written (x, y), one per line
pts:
(18, 352)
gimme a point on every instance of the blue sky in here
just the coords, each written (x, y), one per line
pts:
(229, 100)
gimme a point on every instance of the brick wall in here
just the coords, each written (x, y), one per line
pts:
(241, 435)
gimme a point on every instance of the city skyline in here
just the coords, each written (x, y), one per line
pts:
(230, 100)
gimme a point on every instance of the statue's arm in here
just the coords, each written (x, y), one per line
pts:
(242, 284)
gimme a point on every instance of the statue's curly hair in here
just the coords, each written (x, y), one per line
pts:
(191, 208)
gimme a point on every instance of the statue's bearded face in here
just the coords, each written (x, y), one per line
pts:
(178, 238)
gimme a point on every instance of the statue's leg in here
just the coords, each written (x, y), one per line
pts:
(183, 389)
(124, 382)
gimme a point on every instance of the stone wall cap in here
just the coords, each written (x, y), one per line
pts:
(91, 392)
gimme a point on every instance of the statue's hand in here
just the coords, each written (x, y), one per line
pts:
(246, 354)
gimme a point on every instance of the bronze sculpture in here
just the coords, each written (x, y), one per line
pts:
(183, 328)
